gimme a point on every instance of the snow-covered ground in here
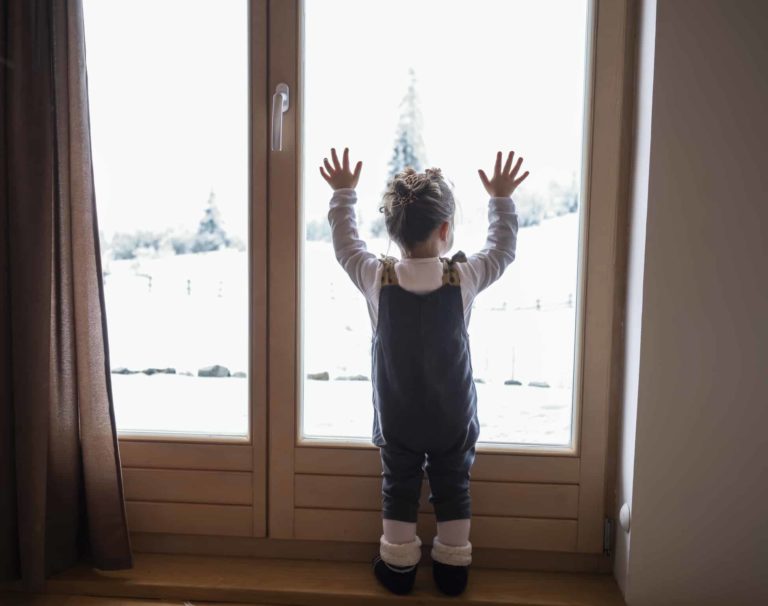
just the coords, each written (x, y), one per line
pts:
(195, 315)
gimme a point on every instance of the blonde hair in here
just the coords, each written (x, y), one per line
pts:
(415, 204)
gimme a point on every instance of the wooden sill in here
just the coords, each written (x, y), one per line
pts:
(318, 583)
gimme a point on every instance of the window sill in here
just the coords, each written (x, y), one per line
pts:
(303, 582)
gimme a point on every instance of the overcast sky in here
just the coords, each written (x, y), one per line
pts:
(168, 90)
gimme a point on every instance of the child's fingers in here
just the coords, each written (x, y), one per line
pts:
(508, 163)
(326, 177)
(335, 159)
(358, 168)
(521, 179)
(497, 166)
(345, 162)
(517, 166)
(484, 178)
(328, 166)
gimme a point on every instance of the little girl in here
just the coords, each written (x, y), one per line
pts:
(423, 392)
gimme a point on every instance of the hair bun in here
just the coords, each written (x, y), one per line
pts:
(408, 185)
(417, 182)
(402, 187)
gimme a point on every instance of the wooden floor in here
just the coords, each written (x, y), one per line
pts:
(173, 580)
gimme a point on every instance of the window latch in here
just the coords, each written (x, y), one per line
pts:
(279, 107)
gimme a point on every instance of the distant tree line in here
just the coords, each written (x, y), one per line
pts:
(409, 150)
(210, 236)
(533, 207)
(319, 230)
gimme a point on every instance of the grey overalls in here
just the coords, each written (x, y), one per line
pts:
(425, 403)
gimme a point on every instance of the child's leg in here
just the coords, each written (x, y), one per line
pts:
(400, 548)
(402, 474)
(398, 532)
(449, 485)
(454, 532)
(451, 550)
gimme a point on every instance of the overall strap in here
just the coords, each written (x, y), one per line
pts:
(388, 274)
(450, 271)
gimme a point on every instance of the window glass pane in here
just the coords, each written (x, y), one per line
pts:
(454, 81)
(168, 92)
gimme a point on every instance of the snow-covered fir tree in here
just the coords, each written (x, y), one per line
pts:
(210, 234)
(409, 149)
(409, 145)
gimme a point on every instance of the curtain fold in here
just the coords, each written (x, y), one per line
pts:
(61, 493)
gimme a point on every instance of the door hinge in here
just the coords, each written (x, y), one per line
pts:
(609, 525)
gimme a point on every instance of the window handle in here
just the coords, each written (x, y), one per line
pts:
(279, 107)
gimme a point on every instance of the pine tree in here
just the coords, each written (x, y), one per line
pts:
(210, 235)
(409, 147)
(409, 144)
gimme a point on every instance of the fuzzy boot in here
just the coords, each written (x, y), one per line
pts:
(450, 566)
(395, 566)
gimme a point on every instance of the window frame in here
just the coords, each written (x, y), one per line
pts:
(170, 479)
(273, 458)
(605, 114)
(584, 253)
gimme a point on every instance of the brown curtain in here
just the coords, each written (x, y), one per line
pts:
(61, 493)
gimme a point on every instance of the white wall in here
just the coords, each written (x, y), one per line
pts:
(694, 443)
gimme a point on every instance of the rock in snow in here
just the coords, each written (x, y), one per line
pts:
(213, 371)
(319, 376)
(538, 384)
(124, 371)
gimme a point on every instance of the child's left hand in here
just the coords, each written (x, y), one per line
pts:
(339, 176)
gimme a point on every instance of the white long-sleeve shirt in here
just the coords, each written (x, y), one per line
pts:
(422, 275)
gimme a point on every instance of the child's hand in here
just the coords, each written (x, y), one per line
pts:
(340, 176)
(503, 182)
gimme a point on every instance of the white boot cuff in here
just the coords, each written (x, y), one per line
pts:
(405, 554)
(451, 555)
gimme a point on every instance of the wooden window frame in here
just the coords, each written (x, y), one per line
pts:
(286, 476)
(211, 485)
(596, 367)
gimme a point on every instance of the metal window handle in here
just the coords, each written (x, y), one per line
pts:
(279, 107)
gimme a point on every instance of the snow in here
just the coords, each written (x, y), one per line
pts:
(196, 314)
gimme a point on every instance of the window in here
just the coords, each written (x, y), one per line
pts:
(169, 126)
(517, 79)
(282, 455)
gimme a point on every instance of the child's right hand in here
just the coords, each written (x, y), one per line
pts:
(339, 175)
(503, 182)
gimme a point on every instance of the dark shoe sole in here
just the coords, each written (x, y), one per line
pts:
(451, 580)
(396, 579)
